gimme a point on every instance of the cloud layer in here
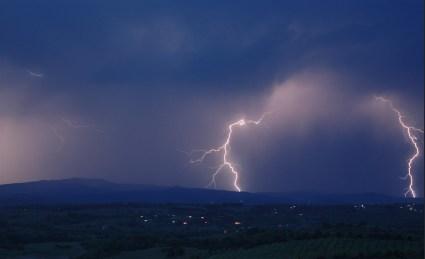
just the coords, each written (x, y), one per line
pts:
(157, 78)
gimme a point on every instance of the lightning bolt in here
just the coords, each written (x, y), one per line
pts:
(60, 137)
(70, 124)
(410, 130)
(34, 74)
(76, 125)
(225, 150)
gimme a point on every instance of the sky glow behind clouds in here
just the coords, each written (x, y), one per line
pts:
(161, 77)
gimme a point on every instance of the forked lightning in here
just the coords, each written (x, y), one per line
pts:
(410, 130)
(225, 149)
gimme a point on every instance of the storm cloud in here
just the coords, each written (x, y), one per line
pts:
(155, 78)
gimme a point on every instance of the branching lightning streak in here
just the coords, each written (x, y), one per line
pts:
(60, 137)
(410, 130)
(75, 125)
(225, 149)
(71, 124)
(35, 74)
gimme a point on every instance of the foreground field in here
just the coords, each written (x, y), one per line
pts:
(212, 231)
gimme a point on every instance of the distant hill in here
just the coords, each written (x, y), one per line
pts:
(86, 191)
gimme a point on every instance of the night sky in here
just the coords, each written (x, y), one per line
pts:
(122, 91)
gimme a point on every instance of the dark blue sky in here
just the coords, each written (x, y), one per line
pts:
(143, 80)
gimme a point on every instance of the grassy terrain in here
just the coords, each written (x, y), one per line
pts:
(329, 248)
(212, 231)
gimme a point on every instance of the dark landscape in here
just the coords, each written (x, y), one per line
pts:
(87, 218)
(154, 129)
